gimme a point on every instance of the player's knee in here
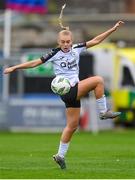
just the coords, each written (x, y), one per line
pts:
(100, 79)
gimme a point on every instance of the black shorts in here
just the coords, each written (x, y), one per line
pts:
(70, 98)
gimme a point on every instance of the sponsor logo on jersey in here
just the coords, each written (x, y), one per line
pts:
(69, 65)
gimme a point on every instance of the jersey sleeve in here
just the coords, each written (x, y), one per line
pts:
(80, 47)
(49, 56)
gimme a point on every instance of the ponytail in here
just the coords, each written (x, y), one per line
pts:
(61, 18)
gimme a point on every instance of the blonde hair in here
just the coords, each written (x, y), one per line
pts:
(61, 18)
(65, 32)
(65, 29)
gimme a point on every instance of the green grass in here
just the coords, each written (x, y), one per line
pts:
(108, 155)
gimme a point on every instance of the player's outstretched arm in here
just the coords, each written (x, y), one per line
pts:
(26, 65)
(98, 39)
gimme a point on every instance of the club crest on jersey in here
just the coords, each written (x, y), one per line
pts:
(73, 54)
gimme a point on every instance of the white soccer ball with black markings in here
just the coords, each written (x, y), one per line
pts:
(60, 85)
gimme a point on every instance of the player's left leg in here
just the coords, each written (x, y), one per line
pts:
(72, 116)
(96, 83)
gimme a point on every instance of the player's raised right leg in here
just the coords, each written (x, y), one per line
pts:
(96, 83)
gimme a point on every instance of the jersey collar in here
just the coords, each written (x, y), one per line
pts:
(67, 51)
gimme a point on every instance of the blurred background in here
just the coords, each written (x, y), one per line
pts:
(28, 29)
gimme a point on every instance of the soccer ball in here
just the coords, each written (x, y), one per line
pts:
(60, 85)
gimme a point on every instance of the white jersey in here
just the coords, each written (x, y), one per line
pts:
(66, 64)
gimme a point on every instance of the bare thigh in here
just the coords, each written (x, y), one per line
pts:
(92, 83)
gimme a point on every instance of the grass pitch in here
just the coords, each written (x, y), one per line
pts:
(108, 155)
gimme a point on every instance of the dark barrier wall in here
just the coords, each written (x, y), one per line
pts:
(86, 65)
(37, 84)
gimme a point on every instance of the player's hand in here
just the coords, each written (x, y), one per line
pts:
(8, 70)
(118, 24)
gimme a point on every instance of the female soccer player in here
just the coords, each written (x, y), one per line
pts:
(65, 60)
